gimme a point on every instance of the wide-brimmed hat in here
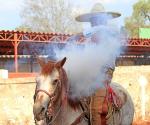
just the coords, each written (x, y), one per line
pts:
(97, 11)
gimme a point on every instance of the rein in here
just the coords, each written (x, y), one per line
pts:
(57, 113)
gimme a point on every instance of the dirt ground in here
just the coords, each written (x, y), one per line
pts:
(141, 122)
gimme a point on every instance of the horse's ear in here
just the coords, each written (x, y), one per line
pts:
(60, 63)
(40, 61)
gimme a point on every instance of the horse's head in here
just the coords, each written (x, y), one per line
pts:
(49, 85)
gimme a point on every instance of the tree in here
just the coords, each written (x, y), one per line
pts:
(49, 16)
(24, 28)
(140, 17)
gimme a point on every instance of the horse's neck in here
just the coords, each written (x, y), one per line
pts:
(67, 115)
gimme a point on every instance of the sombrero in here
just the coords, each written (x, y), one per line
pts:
(97, 11)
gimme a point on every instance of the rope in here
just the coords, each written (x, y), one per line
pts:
(113, 98)
(55, 116)
(79, 119)
(110, 111)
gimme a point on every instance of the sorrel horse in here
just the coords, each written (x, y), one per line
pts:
(52, 105)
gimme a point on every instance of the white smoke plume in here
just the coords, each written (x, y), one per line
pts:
(85, 63)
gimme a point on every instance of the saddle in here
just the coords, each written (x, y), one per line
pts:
(99, 108)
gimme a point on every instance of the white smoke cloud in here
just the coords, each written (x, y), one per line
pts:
(85, 63)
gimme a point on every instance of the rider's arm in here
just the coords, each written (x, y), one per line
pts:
(90, 31)
(86, 33)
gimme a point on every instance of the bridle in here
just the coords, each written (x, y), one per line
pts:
(52, 97)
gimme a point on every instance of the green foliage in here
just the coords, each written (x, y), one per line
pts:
(140, 17)
(49, 16)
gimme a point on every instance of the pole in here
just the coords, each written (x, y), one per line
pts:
(16, 43)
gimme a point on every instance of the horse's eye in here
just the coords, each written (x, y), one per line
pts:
(55, 81)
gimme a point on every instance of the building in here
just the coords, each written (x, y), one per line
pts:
(17, 49)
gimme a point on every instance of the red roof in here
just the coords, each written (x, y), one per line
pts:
(134, 45)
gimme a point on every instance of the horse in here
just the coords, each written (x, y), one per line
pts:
(53, 105)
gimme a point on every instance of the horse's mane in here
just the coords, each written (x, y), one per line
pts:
(74, 103)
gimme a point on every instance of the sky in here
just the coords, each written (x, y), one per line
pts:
(10, 10)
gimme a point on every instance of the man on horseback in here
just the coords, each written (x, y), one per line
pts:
(103, 97)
